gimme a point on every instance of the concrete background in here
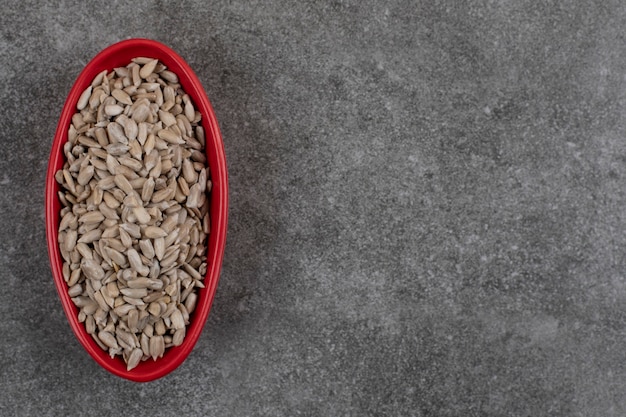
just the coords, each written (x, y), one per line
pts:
(427, 208)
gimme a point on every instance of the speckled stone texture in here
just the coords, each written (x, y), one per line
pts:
(427, 208)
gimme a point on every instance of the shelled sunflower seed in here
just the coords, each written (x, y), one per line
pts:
(135, 210)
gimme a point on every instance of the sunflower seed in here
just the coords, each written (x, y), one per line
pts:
(157, 346)
(134, 358)
(135, 263)
(108, 339)
(91, 236)
(91, 217)
(170, 136)
(134, 292)
(154, 232)
(117, 149)
(147, 69)
(83, 100)
(122, 96)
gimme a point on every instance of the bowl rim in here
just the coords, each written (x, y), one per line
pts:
(115, 55)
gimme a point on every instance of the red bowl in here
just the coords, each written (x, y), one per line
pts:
(117, 55)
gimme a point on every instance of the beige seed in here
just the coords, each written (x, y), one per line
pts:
(169, 223)
(99, 297)
(192, 271)
(167, 118)
(147, 190)
(145, 344)
(106, 183)
(200, 135)
(113, 110)
(177, 319)
(117, 149)
(108, 339)
(189, 173)
(134, 358)
(142, 134)
(169, 76)
(135, 263)
(116, 256)
(98, 314)
(91, 217)
(83, 301)
(161, 195)
(155, 309)
(122, 182)
(85, 174)
(146, 248)
(127, 338)
(194, 197)
(131, 163)
(99, 78)
(136, 79)
(108, 212)
(127, 172)
(134, 292)
(143, 282)
(66, 271)
(150, 144)
(69, 180)
(110, 200)
(90, 324)
(115, 132)
(154, 232)
(112, 289)
(150, 86)
(84, 250)
(170, 137)
(83, 100)
(142, 215)
(75, 290)
(183, 186)
(133, 318)
(190, 302)
(91, 236)
(66, 220)
(134, 148)
(123, 309)
(101, 137)
(122, 96)
(151, 159)
(112, 164)
(127, 241)
(92, 269)
(179, 337)
(141, 113)
(157, 346)
(74, 277)
(148, 68)
(96, 194)
(159, 247)
(134, 301)
(189, 110)
(133, 230)
(131, 130)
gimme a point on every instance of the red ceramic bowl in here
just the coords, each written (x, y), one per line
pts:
(113, 56)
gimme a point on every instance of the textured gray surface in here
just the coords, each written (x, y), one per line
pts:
(426, 208)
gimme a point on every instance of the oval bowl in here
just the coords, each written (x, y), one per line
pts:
(117, 55)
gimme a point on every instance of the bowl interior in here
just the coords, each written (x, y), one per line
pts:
(118, 55)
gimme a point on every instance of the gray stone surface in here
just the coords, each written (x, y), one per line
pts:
(427, 208)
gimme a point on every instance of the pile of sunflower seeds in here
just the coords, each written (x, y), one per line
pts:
(135, 210)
